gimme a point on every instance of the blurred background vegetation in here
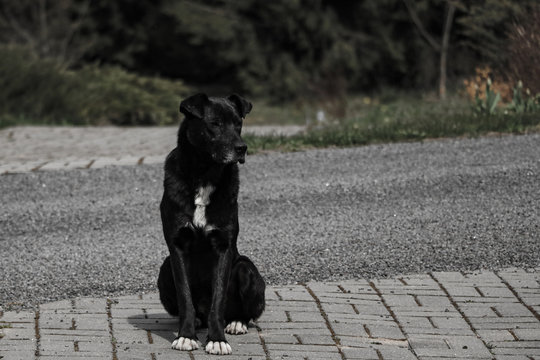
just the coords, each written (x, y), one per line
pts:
(415, 67)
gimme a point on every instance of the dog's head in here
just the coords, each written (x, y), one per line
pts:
(214, 126)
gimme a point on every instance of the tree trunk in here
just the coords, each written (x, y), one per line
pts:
(444, 49)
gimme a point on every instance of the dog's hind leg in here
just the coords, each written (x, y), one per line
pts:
(245, 300)
(167, 290)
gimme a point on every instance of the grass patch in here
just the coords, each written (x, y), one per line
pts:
(265, 113)
(401, 120)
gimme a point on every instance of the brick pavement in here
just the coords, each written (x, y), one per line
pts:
(441, 315)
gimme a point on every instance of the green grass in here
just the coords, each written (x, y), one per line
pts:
(404, 119)
(264, 113)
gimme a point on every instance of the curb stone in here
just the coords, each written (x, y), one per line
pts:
(40, 148)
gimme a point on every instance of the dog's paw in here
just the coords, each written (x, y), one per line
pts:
(183, 343)
(236, 328)
(218, 348)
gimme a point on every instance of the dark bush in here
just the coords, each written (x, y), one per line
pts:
(43, 92)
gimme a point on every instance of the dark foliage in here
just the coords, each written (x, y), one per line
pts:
(283, 49)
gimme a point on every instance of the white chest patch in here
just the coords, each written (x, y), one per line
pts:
(202, 200)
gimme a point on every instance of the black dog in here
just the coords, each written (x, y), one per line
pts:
(205, 279)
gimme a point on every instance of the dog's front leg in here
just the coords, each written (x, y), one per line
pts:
(187, 338)
(216, 342)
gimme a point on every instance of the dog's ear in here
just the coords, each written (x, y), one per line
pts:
(194, 105)
(242, 105)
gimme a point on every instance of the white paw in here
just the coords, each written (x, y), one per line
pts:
(183, 343)
(236, 328)
(218, 348)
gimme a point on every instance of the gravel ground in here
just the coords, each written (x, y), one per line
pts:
(330, 214)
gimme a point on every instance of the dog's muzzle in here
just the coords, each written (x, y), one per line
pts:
(241, 153)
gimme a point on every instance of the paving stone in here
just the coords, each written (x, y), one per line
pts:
(434, 331)
(527, 334)
(62, 304)
(97, 305)
(282, 338)
(490, 336)
(482, 300)
(108, 161)
(127, 313)
(517, 344)
(131, 336)
(333, 288)
(293, 327)
(504, 320)
(361, 318)
(18, 167)
(312, 351)
(17, 334)
(75, 355)
(332, 297)
(499, 291)
(512, 357)
(321, 330)
(395, 353)
(20, 316)
(67, 164)
(433, 342)
(358, 341)
(532, 352)
(349, 329)
(451, 353)
(415, 322)
(450, 276)
(448, 322)
(291, 305)
(273, 316)
(297, 316)
(360, 353)
(408, 290)
(200, 356)
(429, 312)
(316, 339)
(147, 160)
(464, 291)
(420, 280)
(15, 345)
(17, 354)
(389, 331)
(400, 300)
(294, 293)
(435, 302)
(339, 308)
(358, 288)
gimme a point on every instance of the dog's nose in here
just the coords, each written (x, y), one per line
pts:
(240, 149)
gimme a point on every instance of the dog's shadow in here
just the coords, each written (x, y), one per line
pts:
(160, 327)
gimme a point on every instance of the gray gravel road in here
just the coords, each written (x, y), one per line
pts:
(324, 214)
